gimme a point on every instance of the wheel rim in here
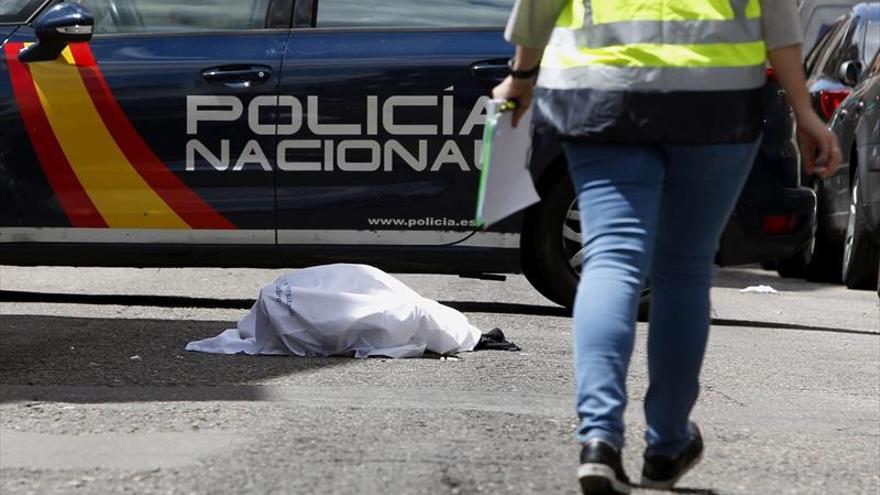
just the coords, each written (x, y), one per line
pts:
(811, 245)
(850, 226)
(572, 238)
(572, 243)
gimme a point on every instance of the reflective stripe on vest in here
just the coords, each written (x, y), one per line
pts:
(609, 78)
(656, 45)
(615, 22)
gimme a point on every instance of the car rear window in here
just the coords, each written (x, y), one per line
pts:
(835, 50)
(821, 19)
(819, 49)
(407, 13)
(18, 11)
(872, 40)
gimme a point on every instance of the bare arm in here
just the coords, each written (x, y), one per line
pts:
(820, 149)
(520, 90)
(529, 28)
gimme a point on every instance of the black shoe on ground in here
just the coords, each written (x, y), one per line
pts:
(663, 472)
(601, 472)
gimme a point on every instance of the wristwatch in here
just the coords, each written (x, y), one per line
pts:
(523, 74)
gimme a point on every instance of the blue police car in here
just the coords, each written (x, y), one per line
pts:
(279, 133)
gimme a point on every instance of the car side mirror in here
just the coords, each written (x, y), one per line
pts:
(849, 72)
(62, 24)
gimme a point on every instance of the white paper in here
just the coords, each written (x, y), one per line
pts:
(509, 187)
(759, 289)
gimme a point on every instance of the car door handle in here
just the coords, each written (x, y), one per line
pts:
(237, 76)
(493, 70)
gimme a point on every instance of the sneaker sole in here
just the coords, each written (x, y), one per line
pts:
(599, 479)
(667, 484)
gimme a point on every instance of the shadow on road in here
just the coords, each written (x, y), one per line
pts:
(123, 360)
(463, 306)
(787, 326)
(508, 308)
(157, 301)
(210, 303)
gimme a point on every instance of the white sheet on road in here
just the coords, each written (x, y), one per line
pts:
(339, 309)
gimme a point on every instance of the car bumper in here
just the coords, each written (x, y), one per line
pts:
(750, 236)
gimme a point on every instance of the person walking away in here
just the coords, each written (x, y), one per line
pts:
(658, 107)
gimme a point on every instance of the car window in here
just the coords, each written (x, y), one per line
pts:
(838, 50)
(828, 50)
(408, 13)
(819, 50)
(16, 11)
(174, 16)
(872, 40)
(821, 19)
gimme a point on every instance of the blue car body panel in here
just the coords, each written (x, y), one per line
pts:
(6, 32)
(411, 106)
(151, 78)
(357, 145)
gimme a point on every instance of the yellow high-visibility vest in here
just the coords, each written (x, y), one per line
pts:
(649, 47)
(653, 40)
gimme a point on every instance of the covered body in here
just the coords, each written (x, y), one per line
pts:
(343, 309)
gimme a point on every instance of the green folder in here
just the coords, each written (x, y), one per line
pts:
(494, 109)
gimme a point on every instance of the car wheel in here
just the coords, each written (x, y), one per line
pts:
(860, 255)
(796, 265)
(552, 245)
(824, 265)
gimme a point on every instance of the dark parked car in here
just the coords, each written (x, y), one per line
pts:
(857, 124)
(282, 133)
(837, 63)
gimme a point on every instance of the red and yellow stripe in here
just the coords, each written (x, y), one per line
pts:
(101, 169)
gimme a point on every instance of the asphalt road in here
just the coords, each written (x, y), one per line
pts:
(97, 394)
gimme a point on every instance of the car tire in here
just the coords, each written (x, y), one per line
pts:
(551, 238)
(860, 254)
(824, 265)
(795, 266)
(798, 264)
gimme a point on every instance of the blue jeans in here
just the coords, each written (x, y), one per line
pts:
(656, 210)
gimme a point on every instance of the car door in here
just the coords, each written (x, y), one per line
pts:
(381, 115)
(143, 134)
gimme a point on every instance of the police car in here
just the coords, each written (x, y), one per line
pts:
(273, 133)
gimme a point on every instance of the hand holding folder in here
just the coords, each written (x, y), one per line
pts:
(506, 185)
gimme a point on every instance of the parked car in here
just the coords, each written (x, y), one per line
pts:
(272, 133)
(857, 124)
(836, 64)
